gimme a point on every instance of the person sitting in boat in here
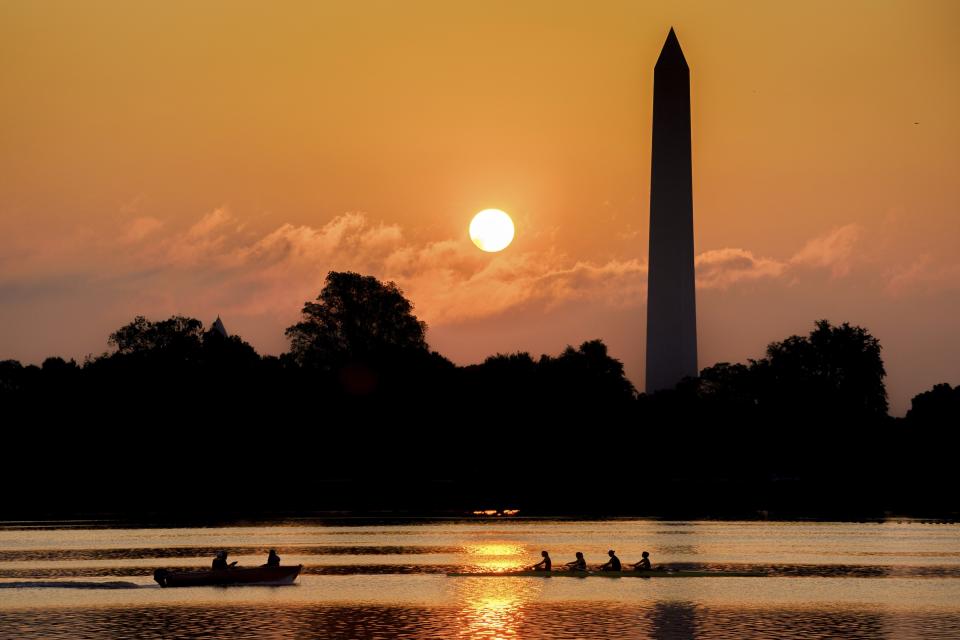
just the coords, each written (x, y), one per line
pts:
(613, 564)
(220, 562)
(273, 560)
(644, 564)
(545, 564)
(580, 564)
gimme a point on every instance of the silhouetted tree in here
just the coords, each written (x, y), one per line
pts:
(60, 376)
(510, 377)
(588, 374)
(230, 353)
(11, 372)
(394, 425)
(177, 337)
(938, 407)
(356, 318)
(511, 364)
(836, 371)
(56, 365)
(728, 385)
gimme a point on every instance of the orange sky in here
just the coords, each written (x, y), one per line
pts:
(205, 158)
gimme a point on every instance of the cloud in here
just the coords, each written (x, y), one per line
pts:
(922, 275)
(449, 281)
(140, 228)
(723, 268)
(449, 294)
(205, 239)
(218, 263)
(832, 251)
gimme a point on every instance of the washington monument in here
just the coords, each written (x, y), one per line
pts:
(671, 297)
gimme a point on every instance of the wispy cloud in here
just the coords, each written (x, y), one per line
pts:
(139, 229)
(924, 275)
(219, 261)
(448, 280)
(833, 251)
(723, 268)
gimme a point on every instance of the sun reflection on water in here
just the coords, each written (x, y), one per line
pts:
(497, 556)
(494, 608)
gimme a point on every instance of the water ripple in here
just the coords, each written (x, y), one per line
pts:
(29, 555)
(479, 620)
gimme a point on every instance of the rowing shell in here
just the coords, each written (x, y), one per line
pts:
(609, 574)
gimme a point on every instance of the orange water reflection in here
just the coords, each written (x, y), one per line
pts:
(494, 609)
(497, 556)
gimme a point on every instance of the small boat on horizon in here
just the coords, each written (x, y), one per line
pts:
(264, 576)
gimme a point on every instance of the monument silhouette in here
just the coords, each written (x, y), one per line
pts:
(671, 296)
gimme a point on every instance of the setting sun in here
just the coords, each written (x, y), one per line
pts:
(491, 230)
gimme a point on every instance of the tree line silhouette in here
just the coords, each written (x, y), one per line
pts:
(361, 415)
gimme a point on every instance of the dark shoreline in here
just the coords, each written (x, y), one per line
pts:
(151, 521)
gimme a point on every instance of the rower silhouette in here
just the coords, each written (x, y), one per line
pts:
(220, 562)
(580, 564)
(545, 564)
(273, 560)
(644, 564)
(613, 564)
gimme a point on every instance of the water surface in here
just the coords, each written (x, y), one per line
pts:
(876, 580)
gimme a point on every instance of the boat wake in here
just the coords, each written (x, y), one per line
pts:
(69, 584)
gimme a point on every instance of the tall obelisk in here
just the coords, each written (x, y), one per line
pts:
(671, 296)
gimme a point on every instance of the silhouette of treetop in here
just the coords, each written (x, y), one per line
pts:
(589, 371)
(938, 406)
(355, 317)
(840, 365)
(176, 335)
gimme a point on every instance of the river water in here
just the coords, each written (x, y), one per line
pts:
(362, 580)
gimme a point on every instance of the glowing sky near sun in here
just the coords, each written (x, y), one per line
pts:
(219, 157)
